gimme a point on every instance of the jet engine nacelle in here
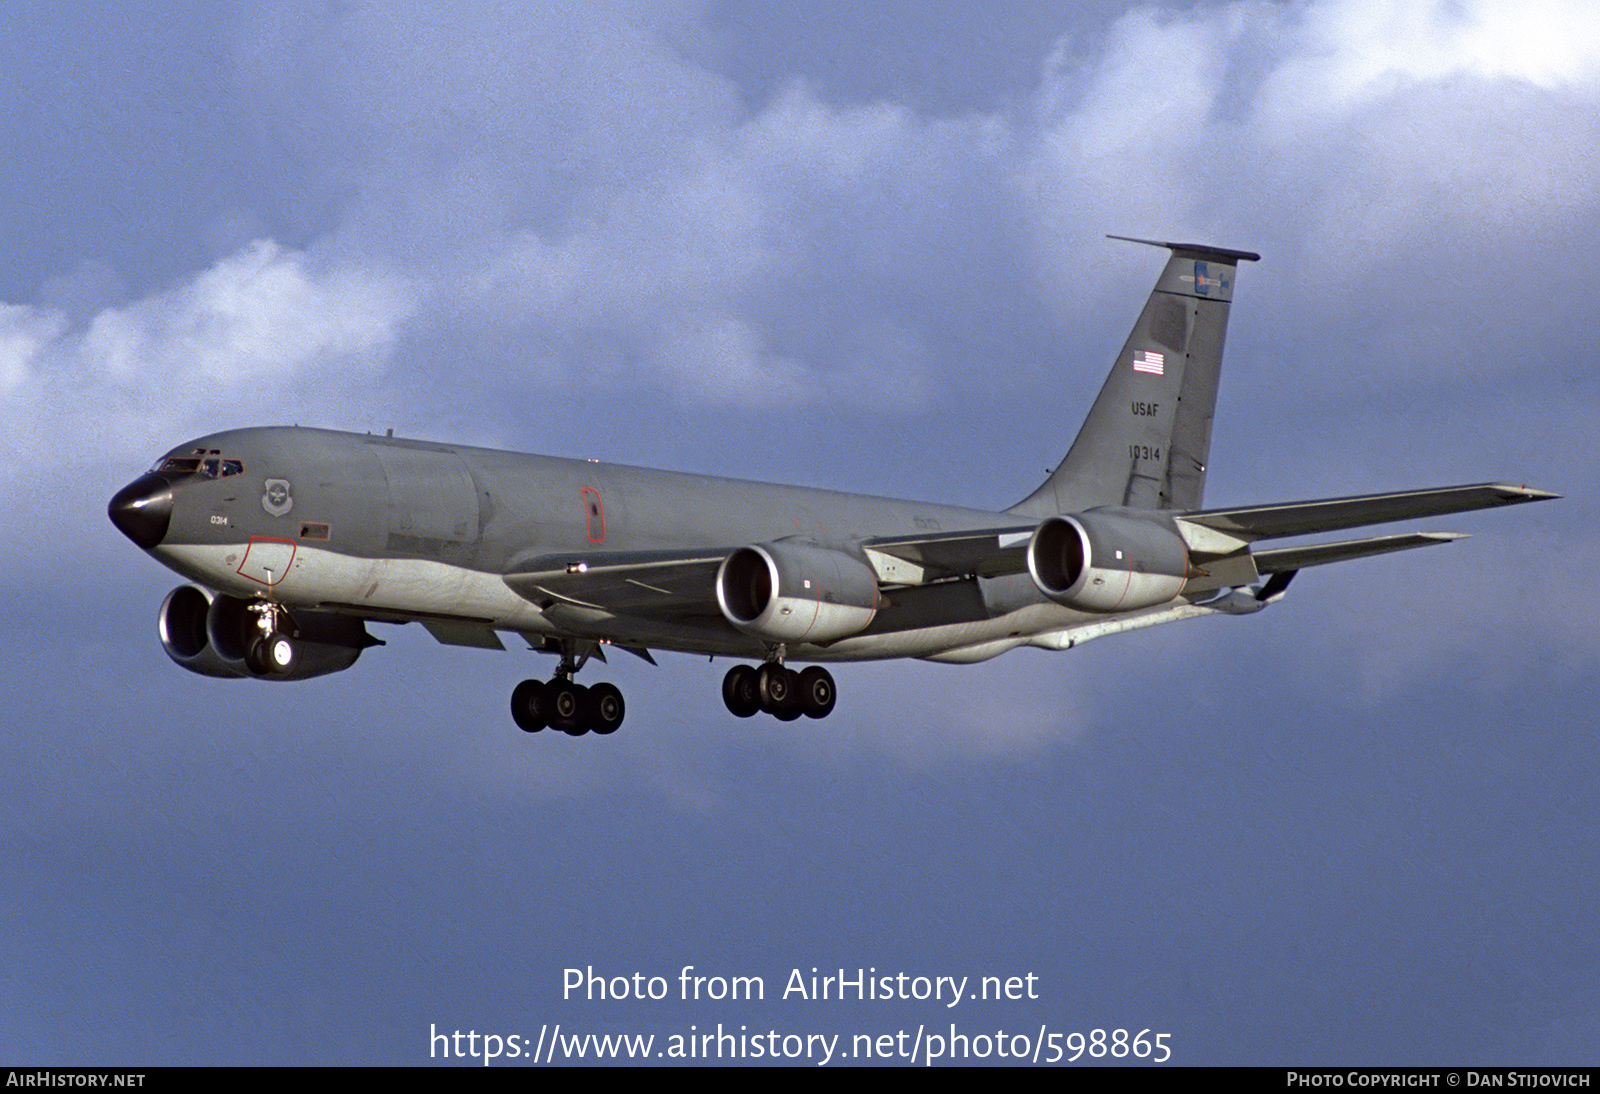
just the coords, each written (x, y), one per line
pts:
(1108, 561)
(794, 591)
(182, 625)
(210, 634)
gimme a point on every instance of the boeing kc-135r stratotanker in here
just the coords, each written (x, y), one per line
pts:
(298, 538)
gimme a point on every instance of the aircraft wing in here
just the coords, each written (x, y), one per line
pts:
(1219, 540)
(683, 583)
(1304, 517)
(637, 600)
(1209, 534)
(680, 586)
(995, 552)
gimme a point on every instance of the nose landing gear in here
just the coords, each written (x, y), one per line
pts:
(273, 653)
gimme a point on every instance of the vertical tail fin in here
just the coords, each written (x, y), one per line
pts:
(1146, 440)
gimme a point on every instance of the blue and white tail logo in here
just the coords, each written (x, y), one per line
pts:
(1206, 282)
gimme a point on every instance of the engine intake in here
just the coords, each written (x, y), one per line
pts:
(1102, 561)
(797, 591)
(210, 634)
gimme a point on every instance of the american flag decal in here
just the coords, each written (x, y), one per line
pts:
(1148, 360)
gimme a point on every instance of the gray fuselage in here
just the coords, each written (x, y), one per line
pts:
(392, 529)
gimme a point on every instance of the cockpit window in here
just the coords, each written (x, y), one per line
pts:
(208, 463)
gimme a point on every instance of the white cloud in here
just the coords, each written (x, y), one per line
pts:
(252, 321)
(25, 334)
(1350, 53)
(560, 179)
(264, 334)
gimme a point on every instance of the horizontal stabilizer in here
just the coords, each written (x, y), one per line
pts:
(1286, 559)
(1308, 517)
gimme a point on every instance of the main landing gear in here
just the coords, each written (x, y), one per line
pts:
(574, 709)
(571, 708)
(782, 693)
(566, 706)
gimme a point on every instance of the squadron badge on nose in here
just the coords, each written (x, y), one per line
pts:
(277, 500)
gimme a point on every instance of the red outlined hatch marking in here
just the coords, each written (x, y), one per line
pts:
(266, 561)
(595, 514)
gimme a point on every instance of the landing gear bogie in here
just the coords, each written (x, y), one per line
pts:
(569, 707)
(770, 688)
(780, 692)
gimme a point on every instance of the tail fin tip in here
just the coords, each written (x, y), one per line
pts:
(1201, 251)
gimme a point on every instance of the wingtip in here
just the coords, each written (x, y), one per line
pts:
(1519, 492)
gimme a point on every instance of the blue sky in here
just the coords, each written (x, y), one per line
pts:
(854, 249)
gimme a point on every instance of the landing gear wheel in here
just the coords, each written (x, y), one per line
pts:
(255, 658)
(566, 706)
(271, 656)
(816, 692)
(740, 691)
(530, 706)
(776, 686)
(603, 708)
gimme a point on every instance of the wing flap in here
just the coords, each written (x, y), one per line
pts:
(463, 632)
(635, 583)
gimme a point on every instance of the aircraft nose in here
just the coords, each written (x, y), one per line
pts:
(142, 510)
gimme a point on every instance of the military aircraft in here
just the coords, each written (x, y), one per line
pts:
(298, 538)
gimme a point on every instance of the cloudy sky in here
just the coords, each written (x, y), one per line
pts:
(855, 246)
